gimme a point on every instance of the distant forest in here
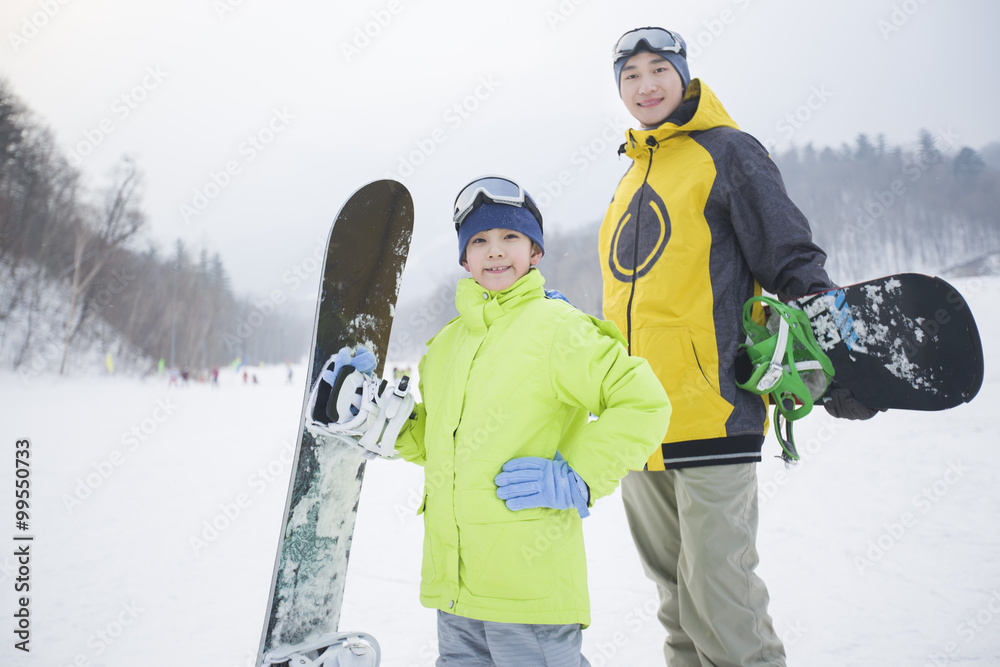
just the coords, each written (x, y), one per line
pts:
(156, 304)
(875, 208)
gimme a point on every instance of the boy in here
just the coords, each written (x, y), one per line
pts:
(510, 456)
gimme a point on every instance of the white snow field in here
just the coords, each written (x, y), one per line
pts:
(155, 513)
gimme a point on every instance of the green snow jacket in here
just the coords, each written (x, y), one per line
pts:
(516, 374)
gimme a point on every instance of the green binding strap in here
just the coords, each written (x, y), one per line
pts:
(778, 361)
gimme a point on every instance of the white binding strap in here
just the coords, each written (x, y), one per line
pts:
(775, 368)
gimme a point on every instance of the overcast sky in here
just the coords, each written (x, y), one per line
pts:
(253, 120)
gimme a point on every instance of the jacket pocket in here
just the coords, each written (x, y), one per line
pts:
(506, 554)
(690, 380)
(430, 569)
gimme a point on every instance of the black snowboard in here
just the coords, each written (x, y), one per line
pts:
(365, 257)
(906, 341)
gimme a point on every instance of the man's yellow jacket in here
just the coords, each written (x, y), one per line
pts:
(698, 224)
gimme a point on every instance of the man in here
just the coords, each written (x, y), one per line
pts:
(698, 224)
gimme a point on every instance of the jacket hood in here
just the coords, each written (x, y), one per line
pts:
(700, 110)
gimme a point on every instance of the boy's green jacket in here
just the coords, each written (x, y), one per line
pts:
(516, 374)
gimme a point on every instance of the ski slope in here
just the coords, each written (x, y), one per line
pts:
(155, 513)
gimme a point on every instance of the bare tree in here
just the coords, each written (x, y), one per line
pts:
(110, 227)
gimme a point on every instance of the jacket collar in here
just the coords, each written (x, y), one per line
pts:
(699, 110)
(478, 308)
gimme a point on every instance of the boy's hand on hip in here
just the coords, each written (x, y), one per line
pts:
(530, 481)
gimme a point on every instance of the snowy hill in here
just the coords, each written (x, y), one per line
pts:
(155, 512)
(33, 311)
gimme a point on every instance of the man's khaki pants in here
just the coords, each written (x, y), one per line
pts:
(696, 532)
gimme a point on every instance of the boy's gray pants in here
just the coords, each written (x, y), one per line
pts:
(465, 642)
(696, 532)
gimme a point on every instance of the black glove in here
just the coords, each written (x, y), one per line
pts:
(840, 402)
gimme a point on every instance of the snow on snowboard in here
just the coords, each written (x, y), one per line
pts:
(365, 256)
(906, 341)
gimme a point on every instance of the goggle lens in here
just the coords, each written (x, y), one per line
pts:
(493, 187)
(656, 39)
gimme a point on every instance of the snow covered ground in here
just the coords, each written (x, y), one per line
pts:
(155, 515)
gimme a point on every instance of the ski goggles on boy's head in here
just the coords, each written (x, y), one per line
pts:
(655, 39)
(496, 190)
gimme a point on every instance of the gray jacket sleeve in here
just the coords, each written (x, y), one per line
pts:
(772, 232)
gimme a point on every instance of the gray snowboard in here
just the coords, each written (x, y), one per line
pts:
(365, 258)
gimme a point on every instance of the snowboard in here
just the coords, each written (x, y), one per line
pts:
(906, 341)
(365, 257)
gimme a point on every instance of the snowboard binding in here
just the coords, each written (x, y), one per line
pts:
(782, 360)
(351, 649)
(350, 405)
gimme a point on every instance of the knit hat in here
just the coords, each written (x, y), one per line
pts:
(678, 60)
(489, 215)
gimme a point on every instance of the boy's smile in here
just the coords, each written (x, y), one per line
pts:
(498, 258)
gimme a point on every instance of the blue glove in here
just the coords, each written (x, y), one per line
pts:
(363, 360)
(530, 481)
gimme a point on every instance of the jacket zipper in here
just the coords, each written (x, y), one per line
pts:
(651, 142)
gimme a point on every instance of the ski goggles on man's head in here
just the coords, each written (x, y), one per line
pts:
(496, 190)
(656, 39)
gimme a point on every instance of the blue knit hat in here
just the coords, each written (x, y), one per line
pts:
(678, 60)
(489, 215)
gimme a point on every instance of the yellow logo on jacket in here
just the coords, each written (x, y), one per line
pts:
(640, 235)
